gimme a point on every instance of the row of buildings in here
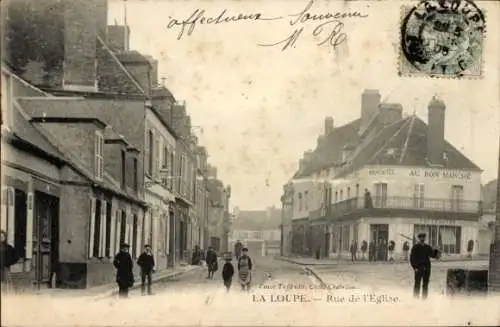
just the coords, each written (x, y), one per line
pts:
(385, 177)
(258, 230)
(95, 151)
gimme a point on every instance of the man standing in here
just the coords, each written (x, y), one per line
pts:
(420, 262)
(353, 249)
(237, 249)
(212, 264)
(372, 251)
(8, 257)
(124, 274)
(147, 263)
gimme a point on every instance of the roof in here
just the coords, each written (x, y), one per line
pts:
(40, 138)
(132, 56)
(402, 143)
(257, 220)
(25, 131)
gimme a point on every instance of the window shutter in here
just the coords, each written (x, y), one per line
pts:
(4, 212)
(118, 223)
(139, 233)
(167, 233)
(112, 234)
(29, 226)
(157, 155)
(154, 231)
(11, 199)
(102, 242)
(92, 226)
(128, 230)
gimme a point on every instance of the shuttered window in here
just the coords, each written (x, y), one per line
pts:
(98, 156)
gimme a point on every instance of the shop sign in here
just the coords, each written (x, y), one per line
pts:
(422, 173)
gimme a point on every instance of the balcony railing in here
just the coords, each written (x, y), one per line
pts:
(407, 203)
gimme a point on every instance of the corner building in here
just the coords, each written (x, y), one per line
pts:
(416, 181)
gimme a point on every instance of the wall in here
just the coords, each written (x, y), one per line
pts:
(401, 180)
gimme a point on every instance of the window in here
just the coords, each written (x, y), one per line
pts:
(123, 227)
(6, 99)
(341, 195)
(380, 195)
(418, 195)
(457, 196)
(150, 153)
(117, 235)
(345, 236)
(124, 168)
(107, 251)
(171, 169)
(348, 193)
(19, 221)
(134, 236)
(157, 155)
(166, 157)
(98, 155)
(97, 229)
(336, 196)
(357, 190)
(306, 200)
(135, 177)
(300, 201)
(448, 238)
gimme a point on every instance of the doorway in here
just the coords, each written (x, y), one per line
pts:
(171, 240)
(327, 245)
(46, 239)
(380, 235)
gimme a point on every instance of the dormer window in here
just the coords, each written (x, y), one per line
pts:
(98, 156)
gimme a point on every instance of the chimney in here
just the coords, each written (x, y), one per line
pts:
(435, 132)
(178, 118)
(302, 164)
(321, 141)
(328, 125)
(390, 113)
(370, 100)
(80, 32)
(346, 152)
(118, 38)
(101, 7)
(154, 70)
(139, 67)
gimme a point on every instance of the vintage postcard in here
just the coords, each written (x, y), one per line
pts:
(250, 163)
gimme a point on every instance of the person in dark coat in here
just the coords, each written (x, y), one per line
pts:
(124, 274)
(372, 251)
(228, 273)
(196, 257)
(368, 199)
(353, 249)
(237, 249)
(212, 264)
(147, 263)
(8, 256)
(420, 262)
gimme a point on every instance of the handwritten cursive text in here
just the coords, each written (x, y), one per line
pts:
(330, 29)
(199, 17)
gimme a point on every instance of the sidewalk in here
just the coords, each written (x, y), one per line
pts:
(336, 261)
(108, 290)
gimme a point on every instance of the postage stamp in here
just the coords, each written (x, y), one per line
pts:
(442, 38)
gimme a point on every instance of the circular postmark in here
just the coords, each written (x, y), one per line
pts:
(444, 37)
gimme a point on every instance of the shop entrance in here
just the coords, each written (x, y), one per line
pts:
(45, 238)
(380, 235)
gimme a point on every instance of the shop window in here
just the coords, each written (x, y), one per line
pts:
(107, 252)
(123, 227)
(135, 235)
(97, 229)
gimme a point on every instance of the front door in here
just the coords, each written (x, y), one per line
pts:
(327, 244)
(45, 238)
(380, 235)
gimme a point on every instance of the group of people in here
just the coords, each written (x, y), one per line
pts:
(124, 270)
(377, 251)
(244, 264)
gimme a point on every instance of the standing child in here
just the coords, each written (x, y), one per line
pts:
(147, 263)
(227, 273)
(244, 270)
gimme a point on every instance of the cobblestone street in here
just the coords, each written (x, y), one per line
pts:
(282, 293)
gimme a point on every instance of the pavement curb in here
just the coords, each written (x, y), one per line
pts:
(337, 262)
(164, 278)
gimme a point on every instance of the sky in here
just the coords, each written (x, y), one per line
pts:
(260, 107)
